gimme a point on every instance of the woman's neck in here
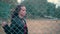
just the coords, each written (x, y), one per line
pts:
(20, 16)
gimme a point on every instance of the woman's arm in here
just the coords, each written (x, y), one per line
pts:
(11, 29)
(7, 29)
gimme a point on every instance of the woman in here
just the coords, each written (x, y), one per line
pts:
(18, 23)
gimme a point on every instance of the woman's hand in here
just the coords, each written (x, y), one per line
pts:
(4, 23)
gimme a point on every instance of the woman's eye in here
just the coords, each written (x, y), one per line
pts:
(23, 10)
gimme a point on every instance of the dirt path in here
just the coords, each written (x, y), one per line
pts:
(43, 26)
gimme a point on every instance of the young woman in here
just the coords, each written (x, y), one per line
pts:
(18, 23)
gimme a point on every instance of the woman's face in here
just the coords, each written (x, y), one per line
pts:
(22, 12)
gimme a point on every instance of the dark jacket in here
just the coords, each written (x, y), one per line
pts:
(18, 26)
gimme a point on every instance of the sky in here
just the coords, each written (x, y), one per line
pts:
(19, 1)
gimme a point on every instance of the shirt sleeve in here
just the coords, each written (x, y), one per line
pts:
(7, 29)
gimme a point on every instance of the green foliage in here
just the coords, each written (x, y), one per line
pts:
(5, 8)
(57, 12)
(35, 8)
(39, 8)
(50, 9)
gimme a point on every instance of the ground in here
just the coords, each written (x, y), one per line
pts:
(41, 26)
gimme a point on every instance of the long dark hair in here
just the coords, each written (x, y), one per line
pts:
(17, 9)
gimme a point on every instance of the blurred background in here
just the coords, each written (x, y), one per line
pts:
(43, 16)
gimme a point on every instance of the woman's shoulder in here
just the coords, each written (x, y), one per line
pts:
(14, 19)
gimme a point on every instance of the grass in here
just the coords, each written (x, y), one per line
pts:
(44, 26)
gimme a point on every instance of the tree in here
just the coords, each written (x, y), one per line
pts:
(57, 12)
(35, 8)
(5, 8)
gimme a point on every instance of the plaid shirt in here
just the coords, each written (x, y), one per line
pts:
(18, 26)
